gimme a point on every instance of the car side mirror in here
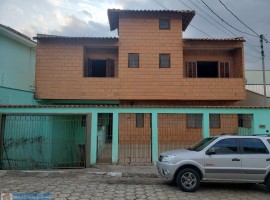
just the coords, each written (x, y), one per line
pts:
(211, 151)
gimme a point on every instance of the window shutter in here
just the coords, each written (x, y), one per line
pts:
(224, 70)
(109, 68)
(88, 68)
(191, 70)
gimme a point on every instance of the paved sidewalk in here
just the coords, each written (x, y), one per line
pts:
(119, 182)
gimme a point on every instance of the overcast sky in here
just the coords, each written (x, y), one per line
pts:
(89, 18)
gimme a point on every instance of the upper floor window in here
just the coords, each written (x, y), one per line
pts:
(133, 60)
(99, 68)
(207, 69)
(164, 60)
(164, 24)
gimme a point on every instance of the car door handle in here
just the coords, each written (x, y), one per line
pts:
(235, 159)
(267, 159)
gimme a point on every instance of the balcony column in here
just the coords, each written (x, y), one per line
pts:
(94, 127)
(205, 125)
(115, 138)
(154, 137)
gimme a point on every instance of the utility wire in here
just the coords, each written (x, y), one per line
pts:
(160, 5)
(238, 18)
(204, 18)
(248, 46)
(208, 21)
(189, 24)
(200, 31)
(210, 17)
(226, 22)
(202, 5)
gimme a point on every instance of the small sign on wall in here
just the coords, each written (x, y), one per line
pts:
(262, 126)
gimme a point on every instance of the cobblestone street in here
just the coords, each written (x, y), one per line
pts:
(94, 186)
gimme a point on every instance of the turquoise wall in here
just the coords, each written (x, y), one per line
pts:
(17, 64)
(15, 96)
(260, 122)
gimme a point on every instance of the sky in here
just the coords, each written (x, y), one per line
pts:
(89, 18)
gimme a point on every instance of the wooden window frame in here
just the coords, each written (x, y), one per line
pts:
(224, 69)
(169, 61)
(193, 66)
(130, 63)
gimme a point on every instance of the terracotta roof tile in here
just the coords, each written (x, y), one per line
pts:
(44, 36)
(240, 39)
(121, 106)
(113, 15)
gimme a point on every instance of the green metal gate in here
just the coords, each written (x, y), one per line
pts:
(43, 141)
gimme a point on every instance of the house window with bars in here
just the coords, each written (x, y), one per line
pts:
(214, 120)
(164, 60)
(244, 120)
(139, 120)
(133, 60)
(194, 120)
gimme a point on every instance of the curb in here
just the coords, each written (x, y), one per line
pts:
(62, 173)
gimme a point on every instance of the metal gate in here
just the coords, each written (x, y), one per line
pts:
(178, 131)
(134, 138)
(104, 140)
(43, 141)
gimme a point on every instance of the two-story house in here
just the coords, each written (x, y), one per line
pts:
(149, 64)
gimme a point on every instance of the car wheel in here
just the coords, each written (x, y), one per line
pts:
(188, 180)
(267, 183)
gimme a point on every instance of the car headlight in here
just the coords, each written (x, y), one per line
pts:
(167, 158)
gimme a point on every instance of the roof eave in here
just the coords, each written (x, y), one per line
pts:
(114, 13)
(17, 37)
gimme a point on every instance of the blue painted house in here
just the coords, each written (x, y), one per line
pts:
(17, 67)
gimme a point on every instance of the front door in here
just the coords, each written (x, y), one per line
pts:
(225, 164)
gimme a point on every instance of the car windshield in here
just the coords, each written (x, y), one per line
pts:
(202, 144)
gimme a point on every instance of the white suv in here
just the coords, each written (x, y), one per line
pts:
(218, 158)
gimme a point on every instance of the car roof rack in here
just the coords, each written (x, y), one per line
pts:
(263, 135)
(222, 134)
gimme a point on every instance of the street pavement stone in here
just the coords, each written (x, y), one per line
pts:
(102, 187)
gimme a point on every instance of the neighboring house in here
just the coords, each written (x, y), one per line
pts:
(17, 67)
(255, 89)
